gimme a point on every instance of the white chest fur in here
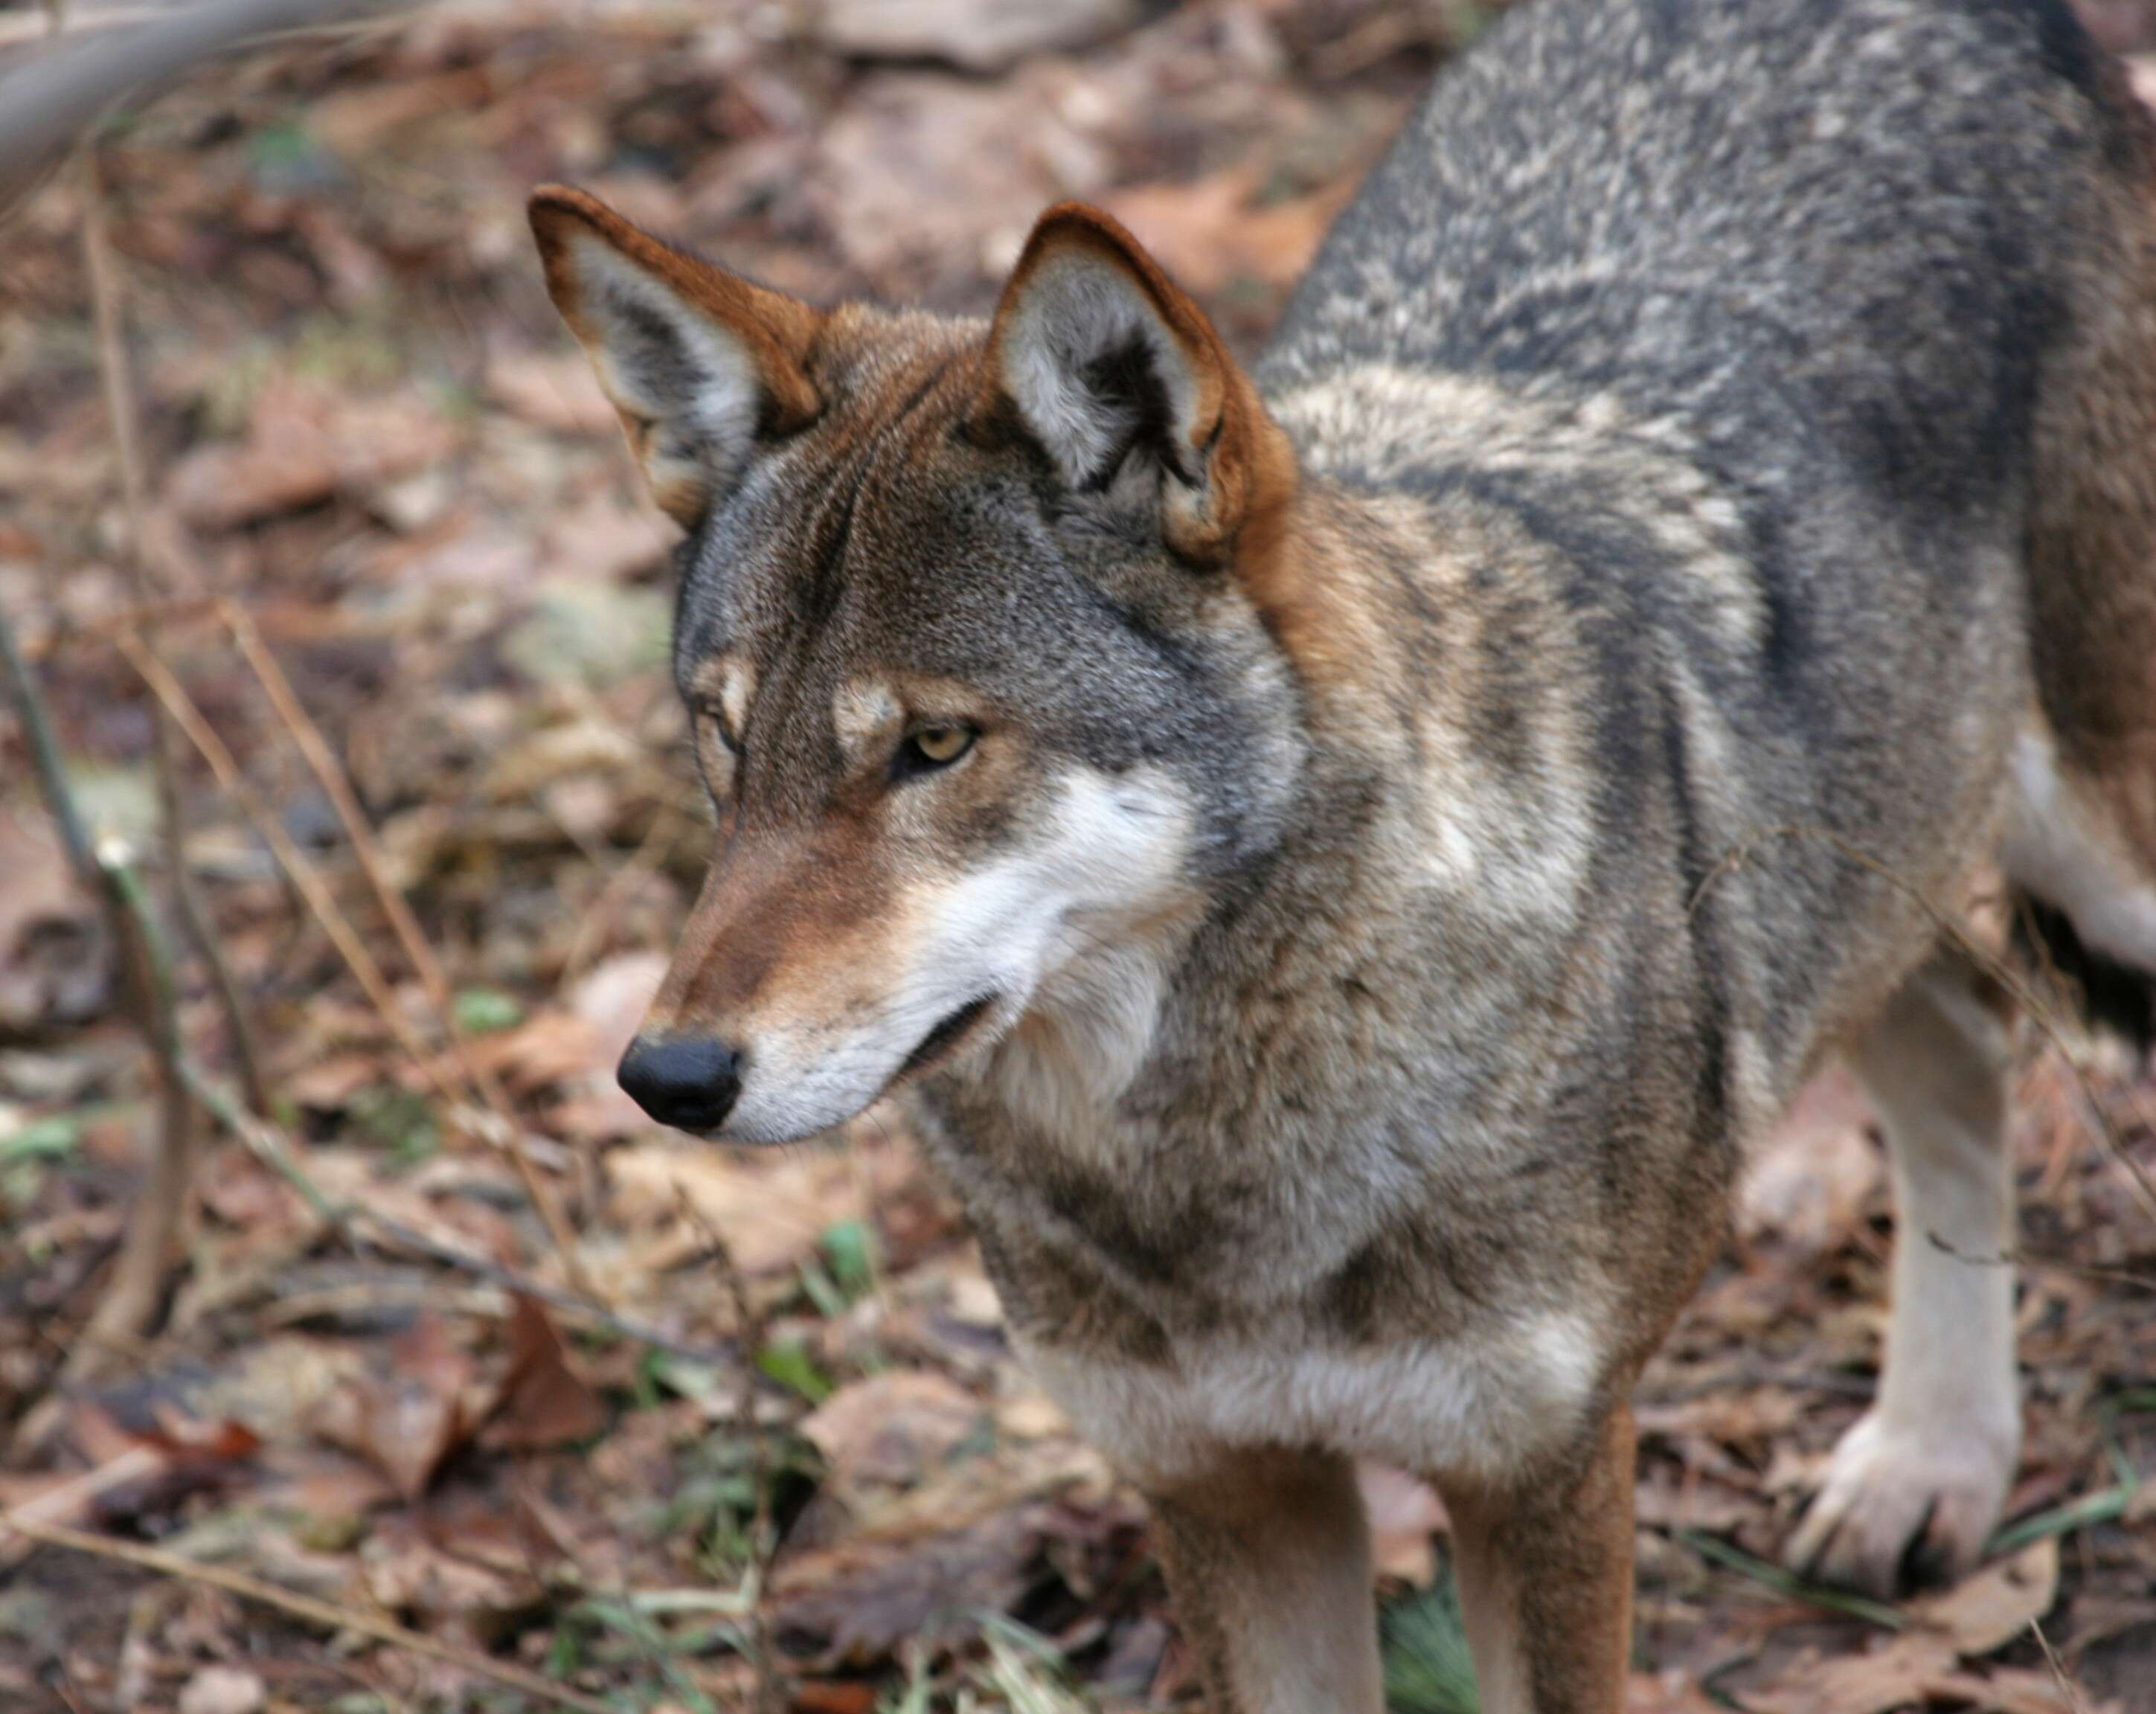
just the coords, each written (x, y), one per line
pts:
(1479, 1406)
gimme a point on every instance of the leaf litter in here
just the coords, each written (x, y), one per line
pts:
(363, 423)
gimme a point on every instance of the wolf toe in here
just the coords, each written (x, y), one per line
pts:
(1898, 1506)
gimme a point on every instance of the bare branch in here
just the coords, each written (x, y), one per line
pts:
(48, 103)
(126, 420)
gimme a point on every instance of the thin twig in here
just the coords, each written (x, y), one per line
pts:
(307, 878)
(131, 1298)
(125, 421)
(45, 763)
(2058, 1670)
(76, 1497)
(771, 1696)
(2021, 1256)
(1986, 960)
(295, 863)
(130, 921)
(356, 1221)
(306, 1608)
(330, 773)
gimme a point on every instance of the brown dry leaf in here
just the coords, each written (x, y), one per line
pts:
(918, 176)
(1207, 233)
(770, 1213)
(223, 1689)
(610, 536)
(858, 1604)
(555, 391)
(52, 970)
(548, 1049)
(557, 752)
(1810, 1183)
(607, 1004)
(544, 1401)
(834, 1696)
(328, 1083)
(438, 1588)
(1914, 1669)
(77, 1497)
(1681, 1501)
(1892, 1676)
(1984, 1612)
(892, 1428)
(302, 448)
(976, 35)
(355, 120)
(1743, 1419)
(1666, 1693)
(852, 1606)
(409, 1413)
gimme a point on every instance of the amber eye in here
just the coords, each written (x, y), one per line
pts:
(710, 710)
(932, 747)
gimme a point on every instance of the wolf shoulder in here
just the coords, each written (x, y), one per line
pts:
(1751, 209)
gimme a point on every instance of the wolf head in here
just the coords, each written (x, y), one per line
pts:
(975, 632)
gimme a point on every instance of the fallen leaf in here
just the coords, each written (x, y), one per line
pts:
(834, 1696)
(977, 35)
(223, 1689)
(606, 538)
(408, 1414)
(1892, 1675)
(1673, 1692)
(918, 172)
(301, 449)
(53, 969)
(771, 1212)
(1984, 1612)
(854, 1605)
(1915, 1669)
(439, 1585)
(892, 1428)
(554, 391)
(1811, 1181)
(1208, 233)
(544, 1402)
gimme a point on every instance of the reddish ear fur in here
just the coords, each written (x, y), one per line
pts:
(772, 333)
(1248, 466)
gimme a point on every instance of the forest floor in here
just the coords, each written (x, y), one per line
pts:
(763, 1444)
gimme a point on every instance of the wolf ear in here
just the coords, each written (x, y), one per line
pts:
(701, 364)
(1103, 358)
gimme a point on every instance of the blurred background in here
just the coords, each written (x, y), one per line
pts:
(336, 1278)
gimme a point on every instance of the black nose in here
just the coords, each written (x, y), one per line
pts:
(688, 1082)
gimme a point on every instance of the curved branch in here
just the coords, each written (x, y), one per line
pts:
(50, 99)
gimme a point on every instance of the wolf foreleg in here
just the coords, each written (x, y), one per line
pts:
(1916, 1486)
(1268, 1559)
(1545, 1572)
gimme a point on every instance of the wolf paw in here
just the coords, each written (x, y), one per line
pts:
(1900, 1506)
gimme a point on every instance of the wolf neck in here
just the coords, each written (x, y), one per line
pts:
(1444, 805)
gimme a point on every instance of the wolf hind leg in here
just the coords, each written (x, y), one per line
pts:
(2069, 845)
(1914, 1490)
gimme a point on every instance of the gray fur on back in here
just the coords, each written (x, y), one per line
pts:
(1815, 251)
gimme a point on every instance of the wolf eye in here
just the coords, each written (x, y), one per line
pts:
(707, 710)
(932, 747)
